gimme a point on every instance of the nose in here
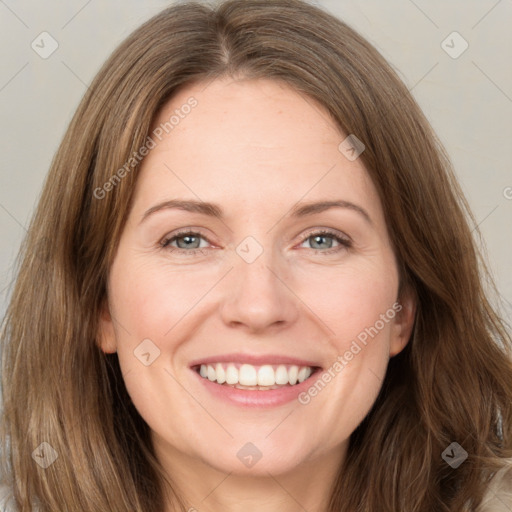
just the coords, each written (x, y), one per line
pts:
(259, 296)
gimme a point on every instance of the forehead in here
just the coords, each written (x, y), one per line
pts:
(249, 139)
(264, 117)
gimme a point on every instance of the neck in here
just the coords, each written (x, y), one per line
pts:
(204, 488)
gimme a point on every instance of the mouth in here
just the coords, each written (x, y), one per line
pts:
(249, 377)
(254, 380)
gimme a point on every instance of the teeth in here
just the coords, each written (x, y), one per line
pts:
(266, 376)
(247, 376)
(231, 374)
(281, 375)
(220, 373)
(292, 374)
(303, 374)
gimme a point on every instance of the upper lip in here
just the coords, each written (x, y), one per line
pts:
(255, 360)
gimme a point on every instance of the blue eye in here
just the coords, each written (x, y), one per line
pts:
(319, 238)
(189, 242)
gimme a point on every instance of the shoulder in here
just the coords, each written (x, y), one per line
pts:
(6, 501)
(499, 495)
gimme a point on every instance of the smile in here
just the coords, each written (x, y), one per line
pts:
(252, 377)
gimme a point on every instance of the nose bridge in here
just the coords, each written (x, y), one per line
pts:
(255, 294)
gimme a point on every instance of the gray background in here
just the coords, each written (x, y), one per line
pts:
(467, 99)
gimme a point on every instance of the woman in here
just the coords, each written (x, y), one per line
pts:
(250, 283)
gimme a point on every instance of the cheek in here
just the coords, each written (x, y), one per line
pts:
(152, 298)
(358, 304)
(150, 301)
(352, 299)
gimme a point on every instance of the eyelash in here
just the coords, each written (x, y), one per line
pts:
(344, 243)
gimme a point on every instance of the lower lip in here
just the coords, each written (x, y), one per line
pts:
(256, 398)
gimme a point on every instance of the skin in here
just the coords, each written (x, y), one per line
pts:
(255, 148)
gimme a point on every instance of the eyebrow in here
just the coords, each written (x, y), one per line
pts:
(213, 210)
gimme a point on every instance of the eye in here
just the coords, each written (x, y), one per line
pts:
(187, 241)
(324, 240)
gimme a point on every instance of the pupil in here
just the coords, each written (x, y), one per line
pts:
(318, 239)
(188, 240)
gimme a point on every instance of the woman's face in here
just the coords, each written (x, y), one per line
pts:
(254, 278)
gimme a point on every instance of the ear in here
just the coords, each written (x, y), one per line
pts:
(405, 309)
(106, 338)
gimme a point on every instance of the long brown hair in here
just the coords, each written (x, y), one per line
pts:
(452, 383)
